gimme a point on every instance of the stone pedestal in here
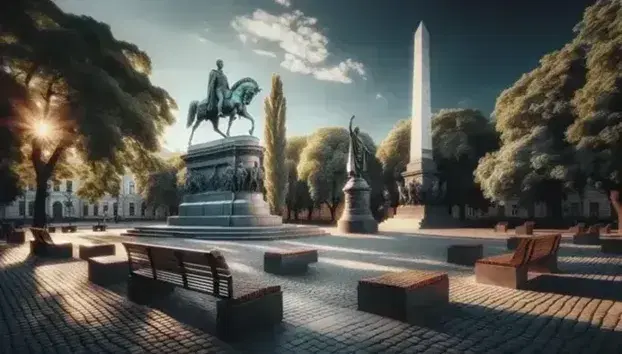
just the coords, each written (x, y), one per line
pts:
(224, 197)
(425, 216)
(357, 216)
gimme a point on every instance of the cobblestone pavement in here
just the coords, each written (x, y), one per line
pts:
(49, 307)
(577, 312)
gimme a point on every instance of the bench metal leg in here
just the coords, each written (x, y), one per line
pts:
(142, 290)
(508, 277)
(238, 319)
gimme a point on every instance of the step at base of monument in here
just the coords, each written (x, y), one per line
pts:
(228, 233)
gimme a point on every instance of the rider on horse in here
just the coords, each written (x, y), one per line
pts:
(217, 88)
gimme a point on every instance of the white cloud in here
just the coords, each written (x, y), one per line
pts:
(265, 53)
(285, 3)
(304, 46)
(465, 103)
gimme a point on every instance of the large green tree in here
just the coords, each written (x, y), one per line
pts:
(535, 162)
(96, 98)
(297, 197)
(323, 166)
(394, 154)
(275, 107)
(460, 137)
(597, 132)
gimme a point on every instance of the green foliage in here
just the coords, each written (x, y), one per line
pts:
(535, 162)
(460, 137)
(95, 92)
(394, 154)
(323, 166)
(597, 133)
(274, 165)
(297, 197)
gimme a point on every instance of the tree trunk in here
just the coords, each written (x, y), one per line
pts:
(614, 197)
(309, 213)
(333, 209)
(39, 217)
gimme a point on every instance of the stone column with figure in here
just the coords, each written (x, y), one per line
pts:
(357, 216)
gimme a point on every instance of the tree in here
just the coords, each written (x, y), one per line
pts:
(460, 138)
(535, 162)
(98, 103)
(394, 154)
(597, 133)
(275, 183)
(323, 166)
(297, 197)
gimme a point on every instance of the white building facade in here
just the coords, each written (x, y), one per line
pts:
(62, 202)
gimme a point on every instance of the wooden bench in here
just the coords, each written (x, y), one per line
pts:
(591, 236)
(537, 253)
(44, 246)
(579, 227)
(157, 270)
(289, 261)
(464, 254)
(96, 250)
(526, 228)
(405, 296)
(68, 228)
(106, 270)
(605, 229)
(51, 228)
(502, 226)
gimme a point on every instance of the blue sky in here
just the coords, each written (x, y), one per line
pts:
(336, 57)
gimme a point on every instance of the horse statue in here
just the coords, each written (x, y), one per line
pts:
(234, 105)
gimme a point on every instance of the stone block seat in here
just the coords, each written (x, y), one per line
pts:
(86, 251)
(289, 261)
(106, 270)
(526, 228)
(536, 253)
(405, 296)
(502, 226)
(68, 228)
(590, 236)
(464, 254)
(100, 227)
(11, 234)
(243, 308)
(611, 244)
(44, 246)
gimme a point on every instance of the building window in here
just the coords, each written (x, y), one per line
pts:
(143, 208)
(31, 208)
(105, 209)
(514, 210)
(594, 209)
(470, 211)
(85, 210)
(115, 209)
(22, 208)
(95, 209)
(69, 186)
(56, 186)
(131, 188)
(132, 211)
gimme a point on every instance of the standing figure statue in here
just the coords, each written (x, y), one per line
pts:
(217, 88)
(402, 192)
(357, 154)
(222, 102)
(241, 177)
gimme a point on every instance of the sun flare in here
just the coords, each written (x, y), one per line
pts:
(43, 129)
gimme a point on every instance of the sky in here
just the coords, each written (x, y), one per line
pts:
(337, 58)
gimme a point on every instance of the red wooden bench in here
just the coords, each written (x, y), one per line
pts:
(589, 236)
(579, 227)
(537, 253)
(157, 270)
(526, 228)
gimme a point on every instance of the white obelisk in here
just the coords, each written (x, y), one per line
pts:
(420, 131)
